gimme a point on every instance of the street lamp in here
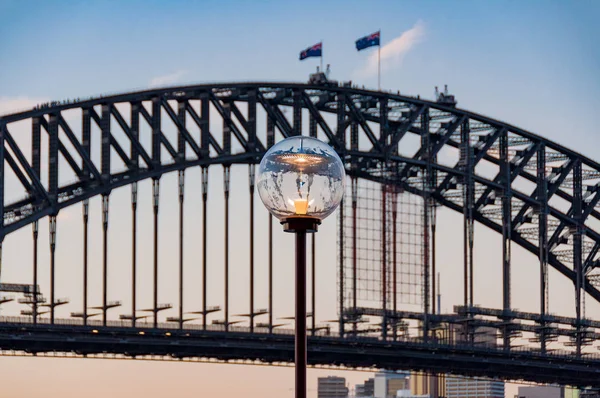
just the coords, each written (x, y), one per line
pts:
(301, 181)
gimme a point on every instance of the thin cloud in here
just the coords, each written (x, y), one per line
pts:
(394, 52)
(167, 79)
(16, 104)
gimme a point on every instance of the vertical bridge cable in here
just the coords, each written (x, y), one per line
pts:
(506, 231)
(354, 187)
(383, 261)
(270, 143)
(34, 302)
(577, 250)
(135, 128)
(204, 240)
(542, 186)
(394, 259)
(426, 145)
(354, 183)
(181, 120)
(251, 177)
(104, 258)
(226, 184)
(52, 225)
(133, 253)
(181, 193)
(86, 207)
(314, 285)
(36, 165)
(155, 200)
(468, 204)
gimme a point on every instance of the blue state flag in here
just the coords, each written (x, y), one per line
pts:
(368, 41)
(314, 51)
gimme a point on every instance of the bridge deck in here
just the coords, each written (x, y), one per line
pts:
(168, 342)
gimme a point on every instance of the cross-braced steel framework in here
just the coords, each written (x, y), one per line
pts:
(535, 193)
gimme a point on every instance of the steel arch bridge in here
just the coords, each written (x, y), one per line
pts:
(535, 193)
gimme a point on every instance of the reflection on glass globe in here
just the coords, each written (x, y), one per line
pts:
(301, 177)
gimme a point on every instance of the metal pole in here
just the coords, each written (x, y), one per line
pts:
(251, 174)
(52, 264)
(379, 65)
(226, 181)
(506, 231)
(314, 285)
(104, 258)
(133, 252)
(354, 253)
(181, 192)
(542, 182)
(394, 260)
(577, 251)
(341, 298)
(86, 206)
(300, 343)
(35, 270)
(155, 197)
(434, 309)
(204, 240)
(270, 273)
(383, 261)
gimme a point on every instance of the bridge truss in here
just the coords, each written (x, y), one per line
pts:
(533, 192)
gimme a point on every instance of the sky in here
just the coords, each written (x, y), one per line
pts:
(533, 64)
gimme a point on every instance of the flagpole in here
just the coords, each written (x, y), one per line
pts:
(379, 63)
(322, 56)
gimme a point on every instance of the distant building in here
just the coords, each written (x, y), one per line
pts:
(387, 384)
(366, 390)
(433, 386)
(332, 387)
(459, 387)
(409, 394)
(547, 392)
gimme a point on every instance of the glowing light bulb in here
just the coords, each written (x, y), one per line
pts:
(301, 206)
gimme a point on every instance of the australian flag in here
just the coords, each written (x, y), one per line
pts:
(314, 51)
(368, 41)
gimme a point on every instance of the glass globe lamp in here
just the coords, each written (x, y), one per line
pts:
(301, 177)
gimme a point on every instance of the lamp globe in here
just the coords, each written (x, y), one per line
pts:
(301, 177)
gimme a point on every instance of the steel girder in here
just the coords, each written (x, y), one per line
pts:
(351, 353)
(515, 155)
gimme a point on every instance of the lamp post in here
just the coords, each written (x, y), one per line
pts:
(301, 181)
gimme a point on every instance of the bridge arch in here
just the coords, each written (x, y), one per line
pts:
(572, 236)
